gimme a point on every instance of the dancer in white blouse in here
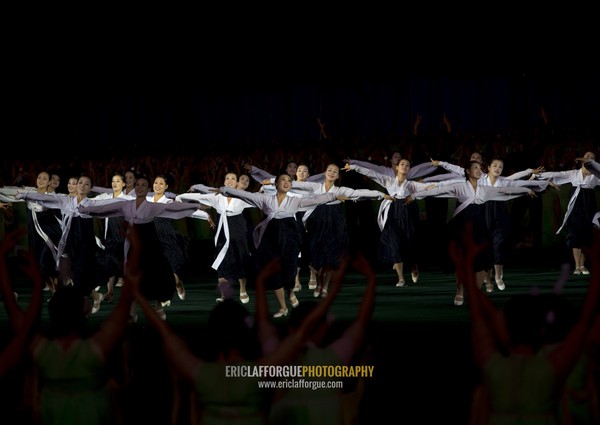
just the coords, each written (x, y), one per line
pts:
(456, 172)
(298, 173)
(414, 173)
(130, 179)
(54, 183)
(264, 177)
(472, 197)
(243, 183)
(44, 228)
(302, 174)
(581, 208)
(593, 167)
(497, 214)
(278, 235)
(232, 255)
(397, 221)
(72, 186)
(326, 225)
(175, 245)
(267, 179)
(112, 258)
(158, 281)
(76, 250)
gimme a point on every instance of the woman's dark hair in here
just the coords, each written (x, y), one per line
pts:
(118, 173)
(229, 326)
(143, 177)
(132, 171)
(281, 175)
(167, 178)
(66, 309)
(525, 320)
(468, 167)
(298, 314)
(87, 177)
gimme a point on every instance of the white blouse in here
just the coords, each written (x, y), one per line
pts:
(226, 207)
(275, 210)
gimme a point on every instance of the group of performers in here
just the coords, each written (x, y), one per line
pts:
(303, 224)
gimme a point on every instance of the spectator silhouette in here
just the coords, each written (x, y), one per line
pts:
(72, 367)
(22, 323)
(326, 405)
(522, 382)
(223, 399)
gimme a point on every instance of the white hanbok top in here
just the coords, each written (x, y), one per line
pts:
(320, 188)
(166, 199)
(273, 209)
(226, 207)
(457, 172)
(33, 206)
(414, 173)
(577, 180)
(394, 188)
(68, 206)
(466, 194)
(107, 195)
(143, 214)
(594, 168)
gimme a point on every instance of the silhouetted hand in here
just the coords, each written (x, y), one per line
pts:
(464, 258)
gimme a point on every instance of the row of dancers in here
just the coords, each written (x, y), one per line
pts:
(303, 223)
(69, 252)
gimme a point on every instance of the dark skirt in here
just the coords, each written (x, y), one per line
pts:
(248, 214)
(398, 239)
(497, 219)
(237, 259)
(81, 251)
(475, 214)
(579, 223)
(158, 281)
(176, 246)
(50, 225)
(281, 239)
(112, 258)
(304, 258)
(328, 232)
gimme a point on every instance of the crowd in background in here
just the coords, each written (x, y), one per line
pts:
(206, 163)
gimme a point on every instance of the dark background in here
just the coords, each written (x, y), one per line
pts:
(87, 82)
(94, 119)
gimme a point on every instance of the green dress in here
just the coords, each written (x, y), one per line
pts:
(522, 390)
(73, 384)
(227, 400)
(308, 405)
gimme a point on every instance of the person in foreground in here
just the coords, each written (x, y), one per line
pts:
(522, 383)
(328, 406)
(235, 400)
(22, 323)
(73, 368)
